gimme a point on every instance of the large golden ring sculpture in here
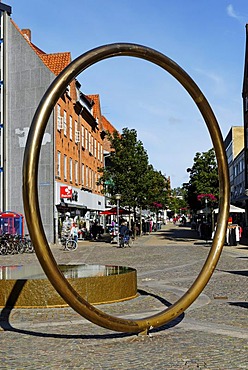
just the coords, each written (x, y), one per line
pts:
(30, 188)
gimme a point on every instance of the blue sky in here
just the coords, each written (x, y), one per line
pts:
(206, 38)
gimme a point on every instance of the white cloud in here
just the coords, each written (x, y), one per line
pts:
(174, 120)
(216, 80)
(232, 13)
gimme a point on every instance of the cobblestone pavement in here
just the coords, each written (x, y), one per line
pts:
(211, 334)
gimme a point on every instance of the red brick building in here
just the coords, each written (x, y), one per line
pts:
(79, 143)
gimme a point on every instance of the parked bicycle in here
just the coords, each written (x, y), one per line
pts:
(14, 244)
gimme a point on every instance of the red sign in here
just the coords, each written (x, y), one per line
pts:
(65, 192)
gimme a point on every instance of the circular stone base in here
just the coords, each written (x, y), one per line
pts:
(28, 287)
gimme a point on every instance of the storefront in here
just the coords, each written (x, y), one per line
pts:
(81, 206)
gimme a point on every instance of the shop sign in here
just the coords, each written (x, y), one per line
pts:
(65, 192)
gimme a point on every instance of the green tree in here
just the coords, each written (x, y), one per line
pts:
(130, 174)
(128, 164)
(203, 178)
(156, 188)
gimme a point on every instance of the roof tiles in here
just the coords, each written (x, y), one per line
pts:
(56, 62)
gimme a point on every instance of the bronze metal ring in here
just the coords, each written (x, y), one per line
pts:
(30, 188)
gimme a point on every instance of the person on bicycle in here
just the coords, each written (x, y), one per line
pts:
(74, 232)
(123, 230)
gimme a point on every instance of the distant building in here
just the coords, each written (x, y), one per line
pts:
(238, 195)
(234, 146)
(245, 117)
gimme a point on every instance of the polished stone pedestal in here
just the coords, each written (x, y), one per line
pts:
(27, 286)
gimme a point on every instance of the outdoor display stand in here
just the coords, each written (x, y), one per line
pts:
(233, 234)
(11, 223)
(234, 230)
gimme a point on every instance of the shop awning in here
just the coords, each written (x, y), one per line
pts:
(66, 207)
(113, 211)
(233, 209)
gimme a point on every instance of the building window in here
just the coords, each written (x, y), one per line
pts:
(76, 172)
(70, 169)
(93, 180)
(65, 124)
(77, 133)
(86, 139)
(82, 174)
(82, 137)
(235, 191)
(58, 164)
(65, 167)
(98, 151)
(95, 147)
(70, 128)
(87, 176)
(59, 118)
(98, 179)
(241, 166)
(90, 143)
(90, 178)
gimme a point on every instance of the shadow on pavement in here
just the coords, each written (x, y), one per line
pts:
(178, 232)
(184, 233)
(242, 248)
(6, 325)
(238, 272)
(170, 324)
(239, 304)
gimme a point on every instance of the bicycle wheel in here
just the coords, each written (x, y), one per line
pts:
(29, 247)
(20, 247)
(3, 248)
(130, 242)
(121, 242)
(12, 247)
(71, 245)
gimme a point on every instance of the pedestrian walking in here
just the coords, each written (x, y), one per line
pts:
(74, 232)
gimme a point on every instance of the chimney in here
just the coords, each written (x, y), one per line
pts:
(27, 33)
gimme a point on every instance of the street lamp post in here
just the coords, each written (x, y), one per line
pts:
(206, 208)
(118, 197)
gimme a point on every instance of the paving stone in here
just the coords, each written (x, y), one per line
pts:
(211, 334)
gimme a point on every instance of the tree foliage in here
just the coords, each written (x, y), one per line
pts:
(203, 178)
(129, 173)
(156, 189)
(177, 202)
